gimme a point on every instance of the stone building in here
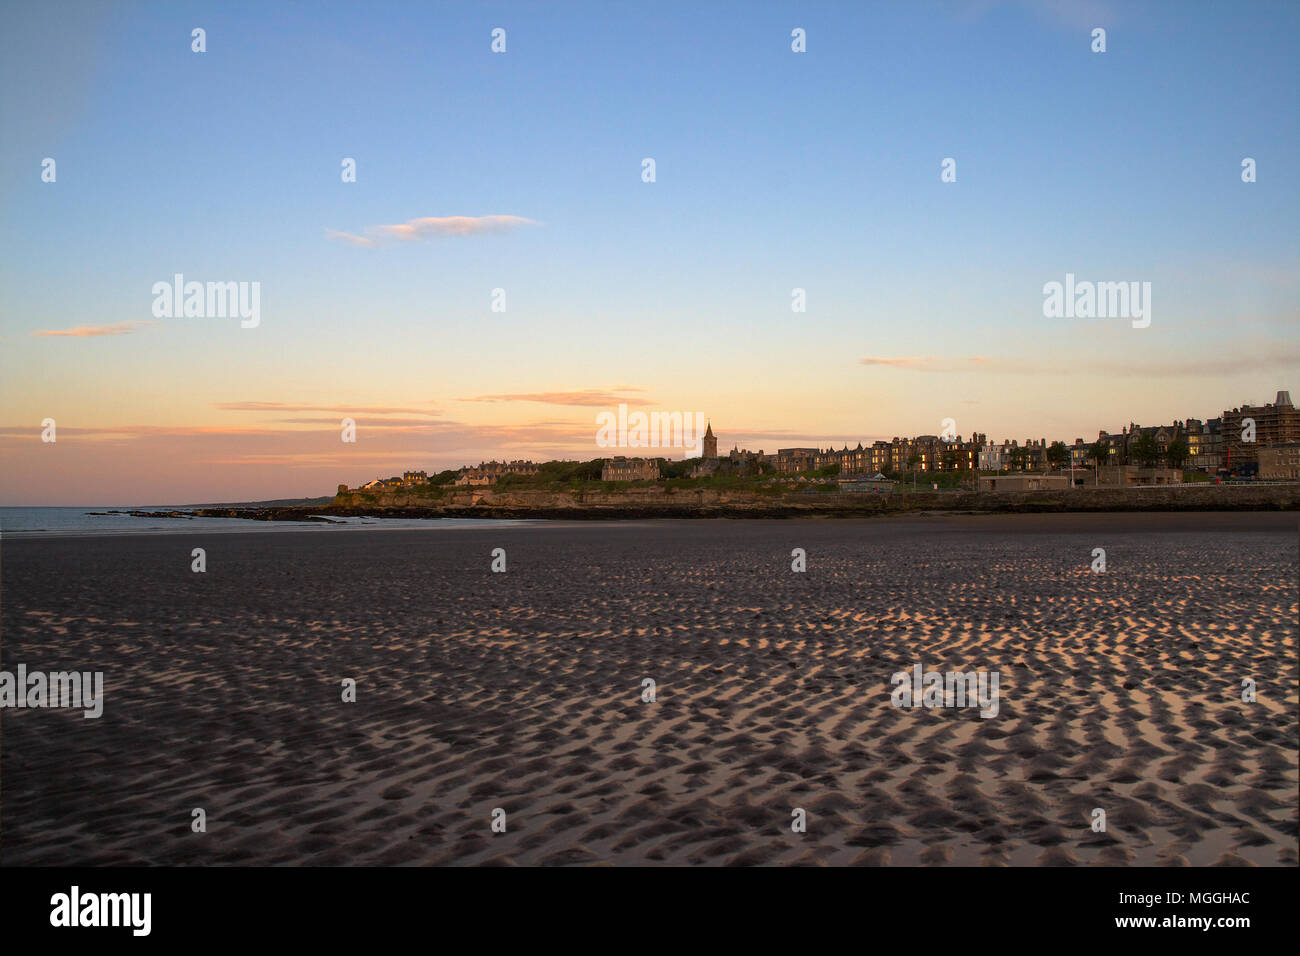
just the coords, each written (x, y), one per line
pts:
(1280, 462)
(1116, 447)
(630, 469)
(1013, 456)
(1119, 447)
(1275, 424)
(961, 455)
(791, 461)
(914, 454)
(931, 453)
(1204, 444)
(1035, 457)
(743, 456)
(710, 443)
(851, 461)
(490, 472)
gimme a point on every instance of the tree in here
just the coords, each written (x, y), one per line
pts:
(1099, 451)
(1015, 458)
(1144, 449)
(1177, 453)
(912, 462)
(678, 469)
(1058, 456)
(950, 461)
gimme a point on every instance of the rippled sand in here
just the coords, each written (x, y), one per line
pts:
(522, 691)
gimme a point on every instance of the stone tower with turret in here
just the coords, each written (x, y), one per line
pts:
(710, 443)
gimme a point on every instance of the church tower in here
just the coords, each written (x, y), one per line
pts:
(710, 443)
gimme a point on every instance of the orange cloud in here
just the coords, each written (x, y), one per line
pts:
(586, 397)
(913, 363)
(342, 409)
(428, 227)
(1265, 356)
(350, 238)
(90, 331)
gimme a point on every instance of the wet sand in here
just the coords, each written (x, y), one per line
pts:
(523, 691)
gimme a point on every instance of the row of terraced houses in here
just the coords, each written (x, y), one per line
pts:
(1213, 446)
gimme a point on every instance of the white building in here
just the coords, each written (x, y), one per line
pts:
(990, 457)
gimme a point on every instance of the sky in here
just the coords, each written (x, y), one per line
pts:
(522, 171)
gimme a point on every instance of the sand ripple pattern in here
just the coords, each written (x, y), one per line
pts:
(523, 691)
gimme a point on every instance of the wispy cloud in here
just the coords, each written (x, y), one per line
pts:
(342, 409)
(430, 227)
(1266, 357)
(350, 238)
(382, 422)
(918, 364)
(970, 363)
(90, 331)
(589, 397)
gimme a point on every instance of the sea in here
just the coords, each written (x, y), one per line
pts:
(41, 522)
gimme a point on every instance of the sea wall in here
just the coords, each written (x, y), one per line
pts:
(658, 501)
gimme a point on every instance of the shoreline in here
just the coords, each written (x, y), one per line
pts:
(917, 522)
(658, 503)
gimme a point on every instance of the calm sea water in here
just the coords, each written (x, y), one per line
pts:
(26, 522)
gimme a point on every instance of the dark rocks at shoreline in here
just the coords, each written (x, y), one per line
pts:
(145, 514)
(265, 514)
(253, 514)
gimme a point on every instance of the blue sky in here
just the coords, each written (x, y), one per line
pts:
(775, 170)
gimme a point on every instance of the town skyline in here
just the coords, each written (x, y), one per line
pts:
(399, 462)
(1201, 444)
(466, 254)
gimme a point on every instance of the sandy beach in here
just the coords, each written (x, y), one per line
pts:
(523, 691)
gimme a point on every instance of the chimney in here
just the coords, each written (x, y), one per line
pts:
(1283, 398)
